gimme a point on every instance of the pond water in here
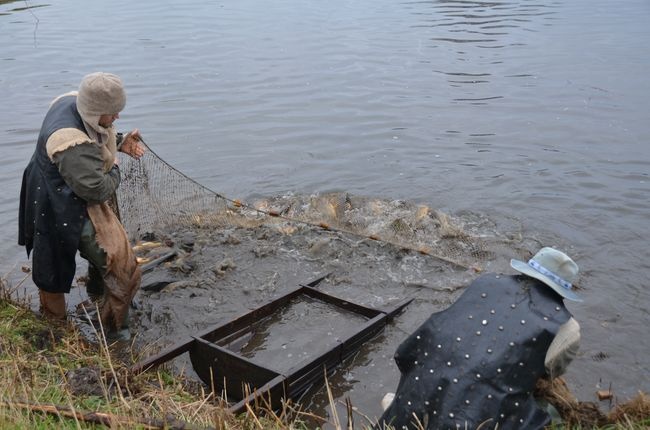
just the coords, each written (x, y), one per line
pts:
(533, 110)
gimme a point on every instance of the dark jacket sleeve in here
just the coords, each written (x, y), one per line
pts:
(82, 168)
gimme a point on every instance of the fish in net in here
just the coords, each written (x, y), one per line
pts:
(154, 197)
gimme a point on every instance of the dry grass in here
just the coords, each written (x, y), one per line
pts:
(50, 377)
(632, 415)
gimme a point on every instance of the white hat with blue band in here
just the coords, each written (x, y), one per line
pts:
(554, 268)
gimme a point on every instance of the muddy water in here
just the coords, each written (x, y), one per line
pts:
(295, 334)
(232, 269)
(513, 110)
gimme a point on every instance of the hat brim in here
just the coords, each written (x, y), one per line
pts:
(524, 268)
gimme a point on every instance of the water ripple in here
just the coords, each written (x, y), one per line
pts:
(458, 104)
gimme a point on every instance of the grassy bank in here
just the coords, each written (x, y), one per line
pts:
(50, 377)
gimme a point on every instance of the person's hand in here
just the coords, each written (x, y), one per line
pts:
(132, 144)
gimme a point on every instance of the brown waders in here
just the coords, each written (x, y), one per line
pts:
(52, 305)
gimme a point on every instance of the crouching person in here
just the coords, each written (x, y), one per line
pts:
(63, 201)
(477, 362)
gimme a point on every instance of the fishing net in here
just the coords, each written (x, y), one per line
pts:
(154, 196)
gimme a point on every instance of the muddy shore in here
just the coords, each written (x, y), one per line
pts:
(226, 267)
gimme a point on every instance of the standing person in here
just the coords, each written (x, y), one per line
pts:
(477, 362)
(63, 201)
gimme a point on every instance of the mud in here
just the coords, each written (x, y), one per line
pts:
(85, 381)
(44, 339)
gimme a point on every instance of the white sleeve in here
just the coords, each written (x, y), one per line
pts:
(563, 349)
(387, 400)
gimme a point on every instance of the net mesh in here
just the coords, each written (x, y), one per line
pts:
(154, 196)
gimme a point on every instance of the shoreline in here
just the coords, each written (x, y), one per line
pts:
(53, 377)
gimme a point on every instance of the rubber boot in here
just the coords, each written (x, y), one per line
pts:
(52, 305)
(95, 283)
(95, 291)
(120, 332)
(91, 251)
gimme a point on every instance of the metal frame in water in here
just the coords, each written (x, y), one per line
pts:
(246, 382)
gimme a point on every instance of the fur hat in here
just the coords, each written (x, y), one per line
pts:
(100, 94)
(554, 268)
